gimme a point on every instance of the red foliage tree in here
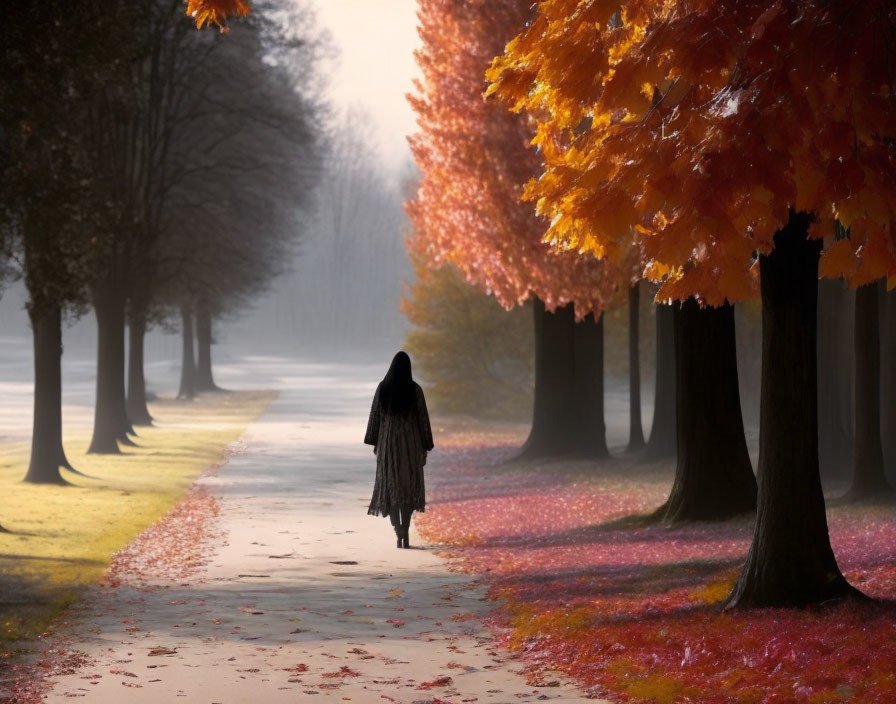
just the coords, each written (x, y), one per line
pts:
(474, 160)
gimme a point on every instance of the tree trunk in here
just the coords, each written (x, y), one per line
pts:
(568, 407)
(588, 430)
(713, 476)
(204, 379)
(662, 443)
(110, 420)
(636, 430)
(888, 374)
(47, 454)
(790, 562)
(869, 478)
(188, 359)
(835, 378)
(136, 402)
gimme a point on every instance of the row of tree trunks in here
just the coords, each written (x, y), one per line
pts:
(790, 562)
(713, 475)
(111, 424)
(568, 411)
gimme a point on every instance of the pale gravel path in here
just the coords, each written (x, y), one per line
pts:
(299, 489)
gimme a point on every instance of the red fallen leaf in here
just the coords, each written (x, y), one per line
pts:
(396, 622)
(344, 671)
(301, 667)
(443, 681)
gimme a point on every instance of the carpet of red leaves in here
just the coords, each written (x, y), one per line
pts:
(634, 611)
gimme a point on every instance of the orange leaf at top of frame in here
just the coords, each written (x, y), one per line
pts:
(208, 12)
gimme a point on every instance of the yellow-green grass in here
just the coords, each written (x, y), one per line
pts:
(61, 538)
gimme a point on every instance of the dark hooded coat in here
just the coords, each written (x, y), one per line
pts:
(400, 441)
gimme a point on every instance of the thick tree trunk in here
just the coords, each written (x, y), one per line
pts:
(713, 476)
(136, 402)
(662, 442)
(869, 478)
(47, 454)
(835, 378)
(205, 381)
(110, 420)
(790, 562)
(188, 359)
(888, 378)
(635, 428)
(568, 408)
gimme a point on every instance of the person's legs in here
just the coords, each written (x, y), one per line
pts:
(406, 513)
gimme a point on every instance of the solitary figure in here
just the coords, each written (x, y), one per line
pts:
(401, 436)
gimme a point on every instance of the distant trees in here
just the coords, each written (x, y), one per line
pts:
(355, 239)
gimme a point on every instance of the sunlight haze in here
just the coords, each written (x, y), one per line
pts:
(375, 40)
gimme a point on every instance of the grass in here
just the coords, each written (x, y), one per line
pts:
(61, 539)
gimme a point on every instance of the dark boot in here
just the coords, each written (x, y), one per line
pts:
(406, 527)
(395, 519)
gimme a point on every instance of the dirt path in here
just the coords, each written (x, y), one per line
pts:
(302, 596)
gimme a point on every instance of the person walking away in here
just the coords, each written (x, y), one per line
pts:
(401, 436)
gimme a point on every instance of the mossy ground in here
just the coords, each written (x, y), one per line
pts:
(60, 538)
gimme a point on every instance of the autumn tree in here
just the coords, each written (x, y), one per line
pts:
(713, 478)
(713, 151)
(474, 160)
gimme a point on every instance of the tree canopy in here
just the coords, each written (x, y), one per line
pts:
(692, 129)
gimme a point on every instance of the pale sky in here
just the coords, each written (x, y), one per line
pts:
(375, 40)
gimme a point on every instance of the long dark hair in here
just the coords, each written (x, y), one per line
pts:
(397, 388)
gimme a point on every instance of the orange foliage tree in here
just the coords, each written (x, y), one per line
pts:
(474, 158)
(717, 134)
